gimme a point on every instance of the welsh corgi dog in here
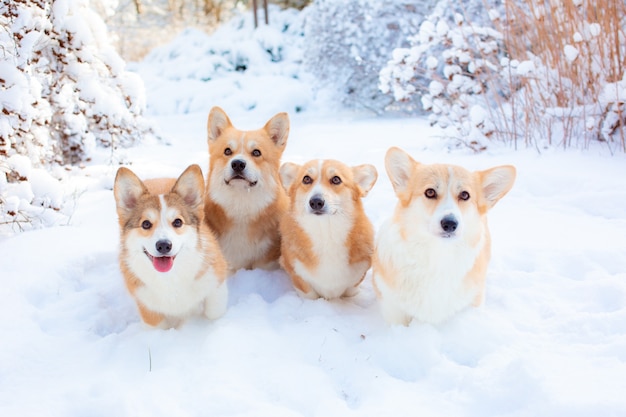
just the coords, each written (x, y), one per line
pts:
(245, 200)
(327, 239)
(431, 257)
(170, 260)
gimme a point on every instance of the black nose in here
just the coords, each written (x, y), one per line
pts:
(316, 203)
(449, 224)
(164, 246)
(238, 165)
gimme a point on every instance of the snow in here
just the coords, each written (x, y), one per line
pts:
(47, 190)
(20, 164)
(571, 53)
(549, 340)
(435, 88)
(525, 68)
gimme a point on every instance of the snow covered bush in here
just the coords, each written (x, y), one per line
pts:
(235, 47)
(536, 73)
(349, 41)
(450, 63)
(64, 91)
(30, 197)
(237, 66)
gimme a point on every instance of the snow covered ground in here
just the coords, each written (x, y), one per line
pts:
(550, 339)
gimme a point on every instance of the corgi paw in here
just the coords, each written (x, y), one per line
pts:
(394, 316)
(309, 295)
(351, 292)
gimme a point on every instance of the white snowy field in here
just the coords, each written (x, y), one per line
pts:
(550, 339)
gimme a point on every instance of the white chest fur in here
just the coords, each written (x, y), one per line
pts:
(428, 281)
(333, 275)
(240, 249)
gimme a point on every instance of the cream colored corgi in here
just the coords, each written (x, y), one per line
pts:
(327, 240)
(170, 260)
(431, 258)
(245, 200)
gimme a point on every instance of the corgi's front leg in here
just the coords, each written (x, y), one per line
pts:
(216, 302)
(303, 288)
(151, 318)
(351, 291)
(393, 314)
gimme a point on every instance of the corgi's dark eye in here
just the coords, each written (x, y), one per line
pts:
(307, 180)
(335, 180)
(146, 225)
(256, 153)
(464, 195)
(228, 151)
(177, 223)
(430, 193)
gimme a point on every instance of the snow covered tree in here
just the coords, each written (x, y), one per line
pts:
(64, 91)
(347, 42)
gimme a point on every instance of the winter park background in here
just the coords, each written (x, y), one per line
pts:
(440, 80)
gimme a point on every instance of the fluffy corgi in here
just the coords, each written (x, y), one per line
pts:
(327, 240)
(244, 199)
(431, 257)
(170, 260)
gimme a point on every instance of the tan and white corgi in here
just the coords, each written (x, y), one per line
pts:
(431, 257)
(327, 239)
(245, 200)
(170, 260)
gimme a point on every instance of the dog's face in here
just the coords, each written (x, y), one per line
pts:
(158, 218)
(446, 201)
(326, 187)
(244, 161)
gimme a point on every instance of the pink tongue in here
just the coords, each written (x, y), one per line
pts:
(163, 263)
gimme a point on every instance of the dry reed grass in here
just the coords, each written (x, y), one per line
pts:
(562, 98)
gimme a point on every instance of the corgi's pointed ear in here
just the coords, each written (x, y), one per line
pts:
(365, 176)
(496, 182)
(278, 129)
(399, 166)
(288, 172)
(190, 186)
(216, 123)
(127, 189)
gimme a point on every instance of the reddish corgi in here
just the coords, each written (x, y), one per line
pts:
(244, 199)
(431, 257)
(170, 260)
(327, 240)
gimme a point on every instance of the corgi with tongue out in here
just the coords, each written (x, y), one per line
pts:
(171, 262)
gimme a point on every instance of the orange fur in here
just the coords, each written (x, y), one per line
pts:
(297, 242)
(158, 186)
(151, 318)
